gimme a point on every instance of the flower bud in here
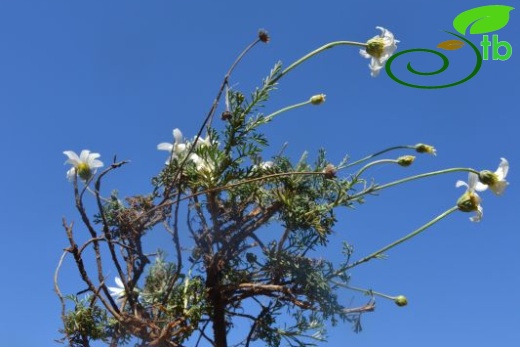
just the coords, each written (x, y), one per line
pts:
(405, 160)
(424, 148)
(401, 300)
(318, 99)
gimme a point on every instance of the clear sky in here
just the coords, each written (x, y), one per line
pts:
(117, 76)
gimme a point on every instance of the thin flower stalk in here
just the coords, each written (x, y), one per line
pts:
(379, 253)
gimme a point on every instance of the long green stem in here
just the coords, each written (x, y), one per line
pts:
(288, 108)
(377, 162)
(412, 178)
(316, 52)
(378, 253)
(375, 155)
(365, 291)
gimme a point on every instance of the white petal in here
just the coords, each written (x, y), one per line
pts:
(480, 187)
(84, 155)
(94, 164)
(472, 180)
(479, 214)
(73, 158)
(71, 174)
(364, 54)
(179, 148)
(177, 135)
(503, 169)
(499, 187)
(165, 146)
(460, 183)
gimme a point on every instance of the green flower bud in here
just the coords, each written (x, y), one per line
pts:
(424, 148)
(405, 160)
(318, 99)
(401, 300)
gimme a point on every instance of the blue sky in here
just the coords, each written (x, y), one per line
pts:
(117, 76)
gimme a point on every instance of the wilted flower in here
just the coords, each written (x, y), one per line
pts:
(379, 49)
(85, 165)
(470, 201)
(496, 181)
(176, 149)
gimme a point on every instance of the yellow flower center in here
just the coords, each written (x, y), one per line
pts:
(83, 171)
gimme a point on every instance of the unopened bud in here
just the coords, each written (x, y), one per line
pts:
(405, 160)
(424, 148)
(318, 99)
(401, 300)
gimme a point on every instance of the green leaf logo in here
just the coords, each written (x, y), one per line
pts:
(482, 20)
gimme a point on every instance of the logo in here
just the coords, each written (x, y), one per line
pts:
(483, 21)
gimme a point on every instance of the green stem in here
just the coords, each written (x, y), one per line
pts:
(382, 161)
(378, 253)
(288, 108)
(412, 178)
(369, 292)
(316, 52)
(375, 155)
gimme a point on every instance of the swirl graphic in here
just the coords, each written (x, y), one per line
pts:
(445, 64)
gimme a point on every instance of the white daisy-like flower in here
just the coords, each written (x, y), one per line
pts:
(85, 165)
(470, 201)
(496, 181)
(119, 291)
(379, 49)
(176, 149)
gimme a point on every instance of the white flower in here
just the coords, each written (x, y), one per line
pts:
(202, 164)
(85, 165)
(495, 181)
(379, 49)
(265, 165)
(200, 142)
(206, 164)
(176, 149)
(470, 201)
(119, 291)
